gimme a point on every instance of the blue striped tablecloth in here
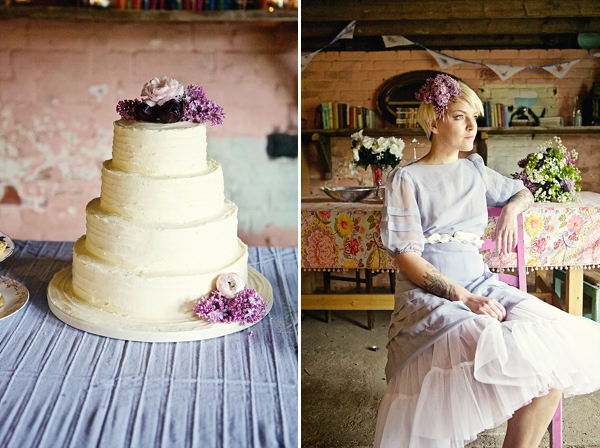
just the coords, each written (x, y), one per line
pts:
(61, 387)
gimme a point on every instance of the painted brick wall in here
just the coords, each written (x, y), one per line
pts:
(60, 82)
(355, 77)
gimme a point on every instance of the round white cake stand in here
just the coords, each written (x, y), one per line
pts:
(83, 316)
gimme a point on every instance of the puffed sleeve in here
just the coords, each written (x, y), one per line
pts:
(401, 229)
(499, 189)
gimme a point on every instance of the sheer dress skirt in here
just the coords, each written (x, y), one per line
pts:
(475, 376)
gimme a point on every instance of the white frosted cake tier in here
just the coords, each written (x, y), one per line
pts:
(158, 149)
(146, 294)
(166, 247)
(162, 198)
(80, 314)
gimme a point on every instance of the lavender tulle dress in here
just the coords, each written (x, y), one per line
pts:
(452, 373)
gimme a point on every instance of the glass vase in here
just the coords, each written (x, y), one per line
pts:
(377, 171)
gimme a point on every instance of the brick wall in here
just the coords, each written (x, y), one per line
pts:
(60, 82)
(355, 77)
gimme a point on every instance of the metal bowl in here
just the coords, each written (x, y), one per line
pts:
(349, 194)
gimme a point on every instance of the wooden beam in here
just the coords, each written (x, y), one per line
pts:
(460, 28)
(447, 42)
(455, 11)
(347, 301)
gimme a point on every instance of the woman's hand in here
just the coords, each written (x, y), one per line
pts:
(506, 230)
(485, 305)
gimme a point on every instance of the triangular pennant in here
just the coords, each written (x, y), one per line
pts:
(395, 41)
(442, 60)
(346, 33)
(305, 59)
(505, 71)
(561, 70)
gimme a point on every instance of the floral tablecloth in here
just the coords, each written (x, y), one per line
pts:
(338, 235)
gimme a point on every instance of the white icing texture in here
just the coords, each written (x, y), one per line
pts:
(146, 245)
(149, 294)
(162, 198)
(155, 149)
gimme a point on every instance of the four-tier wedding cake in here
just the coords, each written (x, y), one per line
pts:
(161, 233)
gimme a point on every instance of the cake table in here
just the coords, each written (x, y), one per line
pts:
(69, 388)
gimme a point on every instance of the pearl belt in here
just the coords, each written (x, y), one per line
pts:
(462, 237)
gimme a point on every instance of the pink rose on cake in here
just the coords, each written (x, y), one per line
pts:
(161, 89)
(230, 284)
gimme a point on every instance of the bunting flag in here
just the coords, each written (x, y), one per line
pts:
(505, 71)
(346, 33)
(394, 41)
(443, 61)
(305, 59)
(561, 70)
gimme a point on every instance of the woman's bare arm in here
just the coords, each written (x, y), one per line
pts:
(426, 276)
(521, 201)
(506, 227)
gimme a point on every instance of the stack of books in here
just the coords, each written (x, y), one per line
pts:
(406, 117)
(496, 115)
(343, 116)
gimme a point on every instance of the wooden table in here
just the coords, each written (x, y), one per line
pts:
(338, 236)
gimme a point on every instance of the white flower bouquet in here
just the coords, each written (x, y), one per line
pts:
(371, 151)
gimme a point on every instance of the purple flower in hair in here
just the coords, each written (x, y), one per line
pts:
(438, 91)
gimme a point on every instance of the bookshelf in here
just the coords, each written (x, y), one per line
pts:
(145, 15)
(320, 138)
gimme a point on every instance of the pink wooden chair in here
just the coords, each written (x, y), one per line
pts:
(520, 281)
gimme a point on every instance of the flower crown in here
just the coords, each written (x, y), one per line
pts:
(166, 101)
(438, 91)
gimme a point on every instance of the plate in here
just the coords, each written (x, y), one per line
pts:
(82, 315)
(10, 246)
(15, 296)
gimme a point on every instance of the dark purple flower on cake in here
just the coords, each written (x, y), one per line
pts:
(126, 109)
(144, 112)
(247, 307)
(170, 112)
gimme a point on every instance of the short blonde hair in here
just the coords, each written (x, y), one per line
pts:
(426, 113)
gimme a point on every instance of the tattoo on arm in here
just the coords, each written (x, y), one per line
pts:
(523, 199)
(436, 283)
